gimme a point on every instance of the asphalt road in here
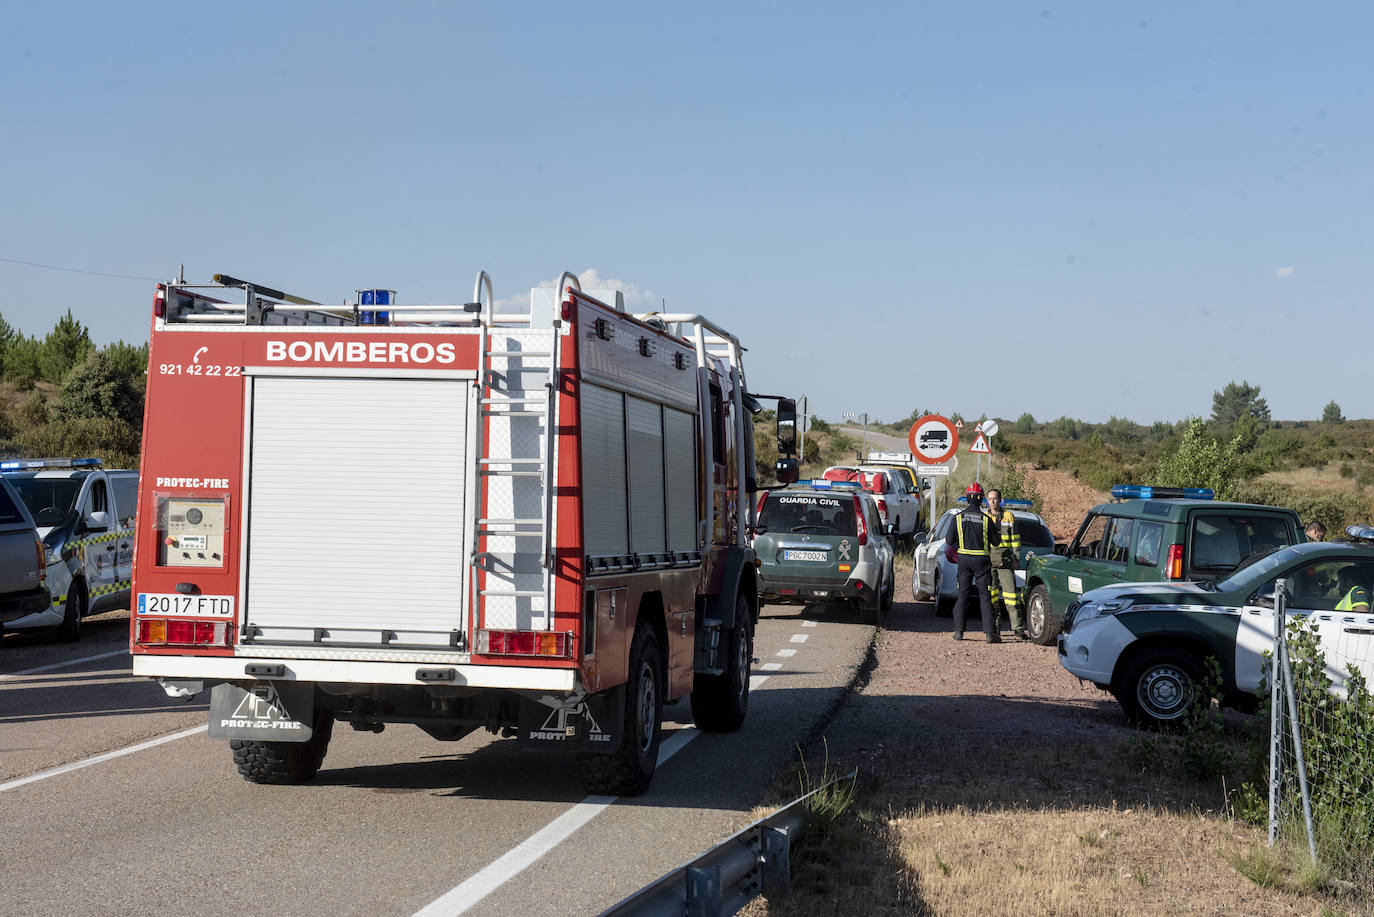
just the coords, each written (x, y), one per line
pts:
(396, 823)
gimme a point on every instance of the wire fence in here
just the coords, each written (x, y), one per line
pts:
(1322, 740)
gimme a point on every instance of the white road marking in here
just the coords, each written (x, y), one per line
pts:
(509, 865)
(63, 665)
(787, 652)
(109, 755)
(800, 638)
(810, 623)
(772, 666)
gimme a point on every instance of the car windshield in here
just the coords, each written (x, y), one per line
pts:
(1033, 534)
(49, 500)
(815, 513)
(1258, 571)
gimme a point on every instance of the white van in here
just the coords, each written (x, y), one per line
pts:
(85, 516)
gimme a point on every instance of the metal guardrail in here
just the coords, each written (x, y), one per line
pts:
(756, 860)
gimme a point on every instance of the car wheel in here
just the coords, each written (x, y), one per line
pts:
(1042, 624)
(628, 770)
(69, 631)
(917, 594)
(1161, 689)
(944, 605)
(720, 702)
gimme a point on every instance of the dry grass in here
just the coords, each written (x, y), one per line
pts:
(1085, 828)
(1321, 477)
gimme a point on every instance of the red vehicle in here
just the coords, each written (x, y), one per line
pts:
(357, 515)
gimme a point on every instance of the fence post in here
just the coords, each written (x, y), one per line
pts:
(1291, 691)
(1276, 709)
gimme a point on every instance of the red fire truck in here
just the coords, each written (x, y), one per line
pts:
(532, 523)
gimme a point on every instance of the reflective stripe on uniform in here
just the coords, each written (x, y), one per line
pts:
(974, 542)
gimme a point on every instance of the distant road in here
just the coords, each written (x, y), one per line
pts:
(881, 442)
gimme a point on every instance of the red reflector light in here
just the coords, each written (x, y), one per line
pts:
(544, 643)
(1174, 568)
(177, 632)
(882, 507)
(160, 301)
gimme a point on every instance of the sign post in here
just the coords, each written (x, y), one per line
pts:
(933, 440)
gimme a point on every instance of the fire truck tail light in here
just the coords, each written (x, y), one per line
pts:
(175, 632)
(523, 643)
(160, 301)
(1174, 568)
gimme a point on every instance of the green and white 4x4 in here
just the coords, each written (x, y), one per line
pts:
(822, 541)
(1150, 534)
(1148, 643)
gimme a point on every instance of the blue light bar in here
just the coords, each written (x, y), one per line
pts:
(824, 484)
(1360, 532)
(39, 464)
(1136, 491)
(1018, 504)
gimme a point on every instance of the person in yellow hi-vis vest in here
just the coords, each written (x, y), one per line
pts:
(974, 534)
(1004, 562)
(1354, 594)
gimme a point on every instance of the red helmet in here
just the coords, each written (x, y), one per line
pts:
(974, 490)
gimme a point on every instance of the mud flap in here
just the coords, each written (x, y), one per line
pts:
(269, 711)
(594, 725)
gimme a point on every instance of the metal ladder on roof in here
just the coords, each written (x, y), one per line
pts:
(510, 489)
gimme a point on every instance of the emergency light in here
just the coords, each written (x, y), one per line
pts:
(823, 484)
(1136, 491)
(32, 464)
(1360, 532)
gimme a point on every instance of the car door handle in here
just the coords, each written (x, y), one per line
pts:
(109, 547)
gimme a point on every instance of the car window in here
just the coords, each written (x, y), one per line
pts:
(49, 500)
(9, 511)
(942, 528)
(1089, 541)
(814, 513)
(1329, 585)
(1220, 542)
(1034, 534)
(1119, 541)
(126, 496)
(1149, 538)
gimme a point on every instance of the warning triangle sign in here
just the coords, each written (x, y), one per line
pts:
(979, 444)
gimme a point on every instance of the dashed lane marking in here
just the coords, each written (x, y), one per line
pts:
(800, 638)
(109, 755)
(810, 623)
(787, 652)
(63, 665)
(772, 666)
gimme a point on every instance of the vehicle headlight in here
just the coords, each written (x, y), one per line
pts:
(1086, 611)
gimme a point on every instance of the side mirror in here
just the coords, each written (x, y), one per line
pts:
(1264, 596)
(1061, 549)
(787, 427)
(98, 521)
(787, 470)
(919, 538)
(925, 484)
(760, 530)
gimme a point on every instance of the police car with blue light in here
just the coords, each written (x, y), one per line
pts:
(84, 514)
(823, 541)
(1148, 643)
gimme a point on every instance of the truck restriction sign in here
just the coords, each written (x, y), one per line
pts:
(933, 439)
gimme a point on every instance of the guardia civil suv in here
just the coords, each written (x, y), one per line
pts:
(822, 541)
(1151, 534)
(1148, 643)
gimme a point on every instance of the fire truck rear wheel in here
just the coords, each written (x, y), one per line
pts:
(628, 770)
(284, 762)
(69, 631)
(721, 702)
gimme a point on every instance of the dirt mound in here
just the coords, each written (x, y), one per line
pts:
(1065, 500)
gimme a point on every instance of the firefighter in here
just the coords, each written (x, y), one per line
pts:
(1004, 563)
(975, 535)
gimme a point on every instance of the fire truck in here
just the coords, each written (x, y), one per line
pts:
(443, 515)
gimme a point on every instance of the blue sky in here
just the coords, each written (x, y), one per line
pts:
(889, 203)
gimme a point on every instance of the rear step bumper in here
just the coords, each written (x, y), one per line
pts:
(234, 668)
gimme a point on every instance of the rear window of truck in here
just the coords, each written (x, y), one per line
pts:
(1220, 542)
(813, 513)
(9, 513)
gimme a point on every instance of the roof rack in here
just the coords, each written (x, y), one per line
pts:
(1146, 492)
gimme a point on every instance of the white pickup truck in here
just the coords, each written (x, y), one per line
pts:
(899, 504)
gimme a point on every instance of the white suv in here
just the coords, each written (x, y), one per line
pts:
(899, 505)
